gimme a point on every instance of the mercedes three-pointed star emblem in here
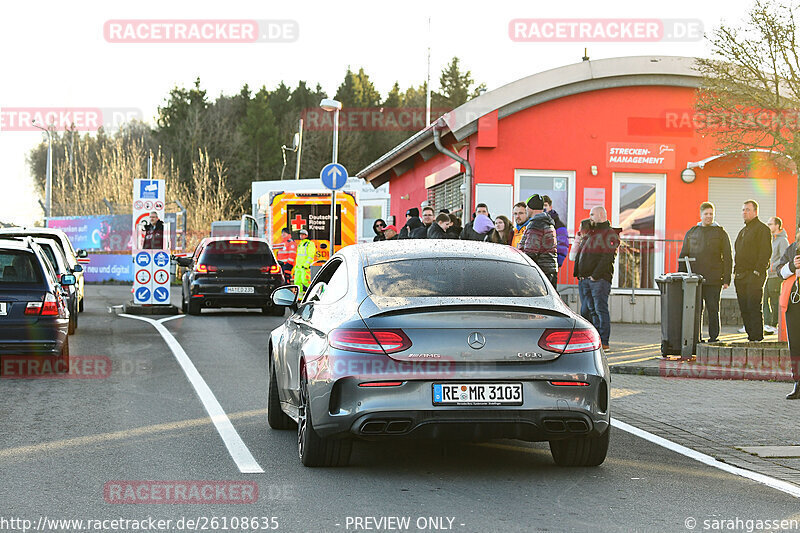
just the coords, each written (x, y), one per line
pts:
(476, 340)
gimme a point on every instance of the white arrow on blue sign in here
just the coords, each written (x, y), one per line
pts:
(142, 294)
(161, 259)
(333, 176)
(143, 259)
(161, 294)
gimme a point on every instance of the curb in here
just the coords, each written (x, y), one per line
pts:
(135, 309)
(688, 371)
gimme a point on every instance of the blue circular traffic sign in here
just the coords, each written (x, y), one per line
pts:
(161, 294)
(143, 259)
(142, 294)
(161, 259)
(333, 176)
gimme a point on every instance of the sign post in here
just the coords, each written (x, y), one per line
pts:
(151, 266)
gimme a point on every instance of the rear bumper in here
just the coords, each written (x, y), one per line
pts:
(212, 292)
(37, 339)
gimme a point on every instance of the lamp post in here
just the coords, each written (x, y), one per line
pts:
(48, 184)
(332, 105)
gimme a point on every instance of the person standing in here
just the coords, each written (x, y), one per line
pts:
(502, 232)
(390, 233)
(562, 234)
(708, 244)
(455, 229)
(788, 266)
(594, 265)
(306, 252)
(286, 253)
(772, 289)
(427, 222)
(753, 251)
(539, 240)
(438, 229)
(412, 222)
(520, 214)
(469, 233)
(378, 227)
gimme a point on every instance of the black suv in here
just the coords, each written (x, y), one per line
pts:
(34, 317)
(226, 272)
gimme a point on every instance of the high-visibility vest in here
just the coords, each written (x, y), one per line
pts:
(518, 233)
(305, 254)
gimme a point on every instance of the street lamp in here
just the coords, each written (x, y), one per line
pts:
(332, 105)
(48, 184)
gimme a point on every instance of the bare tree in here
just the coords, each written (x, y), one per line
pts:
(751, 86)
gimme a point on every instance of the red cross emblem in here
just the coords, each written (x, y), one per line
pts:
(298, 222)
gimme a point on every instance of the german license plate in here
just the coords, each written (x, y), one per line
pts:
(3, 309)
(240, 290)
(477, 394)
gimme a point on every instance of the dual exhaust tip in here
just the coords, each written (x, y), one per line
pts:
(385, 427)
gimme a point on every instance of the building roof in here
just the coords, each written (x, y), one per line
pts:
(535, 89)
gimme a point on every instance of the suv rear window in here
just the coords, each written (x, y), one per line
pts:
(18, 266)
(237, 252)
(454, 277)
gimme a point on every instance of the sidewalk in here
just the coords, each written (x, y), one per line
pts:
(636, 349)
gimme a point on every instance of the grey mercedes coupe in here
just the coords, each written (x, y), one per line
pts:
(439, 340)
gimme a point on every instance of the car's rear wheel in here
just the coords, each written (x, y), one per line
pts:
(193, 307)
(585, 451)
(80, 305)
(313, 449)
(275, 416)
(61, 361)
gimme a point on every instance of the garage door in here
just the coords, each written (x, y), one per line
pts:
(728, 195)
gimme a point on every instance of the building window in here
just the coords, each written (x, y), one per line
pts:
(448, 195)
(559, 185)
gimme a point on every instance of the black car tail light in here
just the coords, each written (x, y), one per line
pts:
(200, 268)
(274, 269)
(369, 341)
(570, 341)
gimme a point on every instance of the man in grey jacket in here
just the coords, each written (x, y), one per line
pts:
(772, 289)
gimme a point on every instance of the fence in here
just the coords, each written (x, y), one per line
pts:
(639, 261)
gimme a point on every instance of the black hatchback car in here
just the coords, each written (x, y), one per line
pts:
(34, 317)
(226, 272)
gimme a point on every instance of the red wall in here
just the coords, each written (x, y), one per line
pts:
(571, 134)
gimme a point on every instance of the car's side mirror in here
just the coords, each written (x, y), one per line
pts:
(81, 254)
(67, 279)
(184, 261)
(77, 268)
(286, 296)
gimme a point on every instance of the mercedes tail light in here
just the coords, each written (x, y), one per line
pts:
(369, 341)
(570, 341)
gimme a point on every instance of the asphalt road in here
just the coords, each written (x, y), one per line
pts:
(66, 443)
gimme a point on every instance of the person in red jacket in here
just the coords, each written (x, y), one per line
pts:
(286, 253)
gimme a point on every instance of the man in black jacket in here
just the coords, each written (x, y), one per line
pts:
(469, 233)
(412, 222)
(594, 268)
(438, 230)
(153, 233)
(753, 252)
(709, 245)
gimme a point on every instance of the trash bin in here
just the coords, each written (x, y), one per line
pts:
(681, 312)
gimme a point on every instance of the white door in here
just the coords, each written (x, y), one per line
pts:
(638, 206)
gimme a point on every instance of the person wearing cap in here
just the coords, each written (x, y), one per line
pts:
(413, 222)
(306, 251)
(390, 233)
(539, 241)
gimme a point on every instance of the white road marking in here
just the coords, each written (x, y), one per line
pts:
(161, 321)
(783, 486)
(236, 447)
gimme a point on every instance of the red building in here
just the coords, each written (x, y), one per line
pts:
(615, 132)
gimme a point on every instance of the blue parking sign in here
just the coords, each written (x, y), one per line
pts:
(161, 294)
(161, 259)
(143, 259)
(142, 294)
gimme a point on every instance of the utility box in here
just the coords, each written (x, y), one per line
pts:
(681, 313)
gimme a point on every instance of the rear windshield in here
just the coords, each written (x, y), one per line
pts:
(17, 266)
(237, 252)
(454, 277)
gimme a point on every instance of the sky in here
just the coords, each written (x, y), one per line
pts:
(56, 54)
